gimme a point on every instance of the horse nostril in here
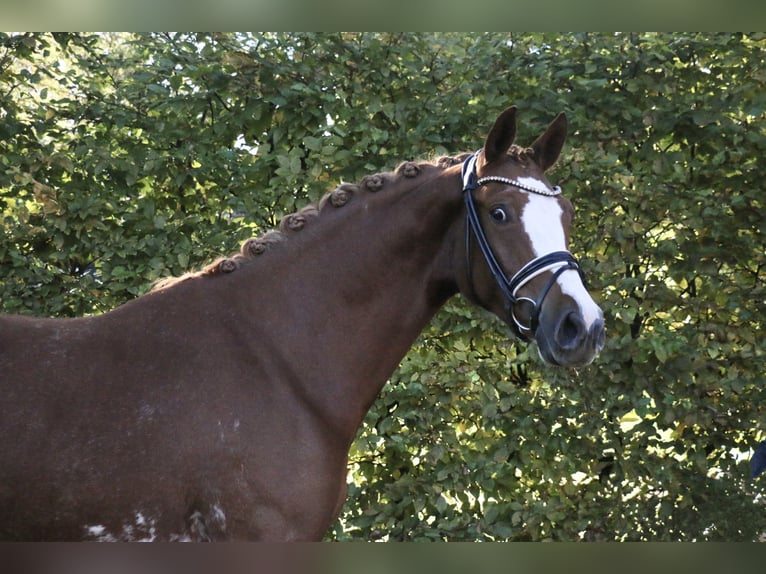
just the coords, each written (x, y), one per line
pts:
(571, 331)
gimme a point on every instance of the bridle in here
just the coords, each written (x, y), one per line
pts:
(560, 261)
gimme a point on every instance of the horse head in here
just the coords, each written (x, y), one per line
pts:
(522, 270)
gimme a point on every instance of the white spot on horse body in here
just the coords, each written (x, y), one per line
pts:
(146, 413)
(147, 527)
(99, 533)
(139, 529)
(219, 516)
(96, 531)
(180, 538)
(541, 218)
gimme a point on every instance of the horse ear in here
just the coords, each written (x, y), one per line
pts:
(501, 135)
(548, 146)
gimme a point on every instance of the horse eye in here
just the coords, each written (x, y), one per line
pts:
(498, 214)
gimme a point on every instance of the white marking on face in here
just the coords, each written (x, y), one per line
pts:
(534, 183)
(541, 218)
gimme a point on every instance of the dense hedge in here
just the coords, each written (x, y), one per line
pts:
(125, 158)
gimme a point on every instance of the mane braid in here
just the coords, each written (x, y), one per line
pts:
(293, 223)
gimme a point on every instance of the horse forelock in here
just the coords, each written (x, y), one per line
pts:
(251, 249)
(522, 155)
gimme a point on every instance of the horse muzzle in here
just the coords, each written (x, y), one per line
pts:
(567, 340)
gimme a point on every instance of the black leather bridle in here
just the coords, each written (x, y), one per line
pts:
(557, 261)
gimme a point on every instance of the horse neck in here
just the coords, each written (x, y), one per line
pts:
(344, 299)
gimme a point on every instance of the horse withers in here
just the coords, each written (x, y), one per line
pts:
(222, 404)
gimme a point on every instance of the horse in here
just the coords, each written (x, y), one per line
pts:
(222, 404)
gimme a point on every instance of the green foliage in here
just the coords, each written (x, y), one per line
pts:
(124, 158)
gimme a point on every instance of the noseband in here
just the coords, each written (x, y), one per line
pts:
(559, 260)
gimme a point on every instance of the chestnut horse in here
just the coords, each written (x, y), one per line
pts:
(222, 404)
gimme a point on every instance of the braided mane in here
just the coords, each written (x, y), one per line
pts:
(253, 248)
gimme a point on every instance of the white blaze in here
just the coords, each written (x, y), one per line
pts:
(541, 218)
